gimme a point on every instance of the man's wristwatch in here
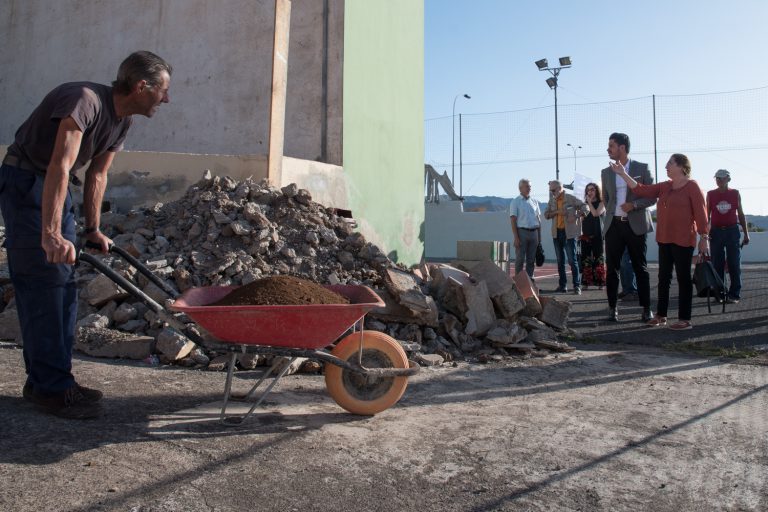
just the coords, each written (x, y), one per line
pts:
(88, 231)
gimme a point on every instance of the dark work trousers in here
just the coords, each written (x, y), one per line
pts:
(673, 255)
(46, 294)
(619, 237)
(725, 246)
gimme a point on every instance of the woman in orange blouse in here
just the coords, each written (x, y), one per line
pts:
(680, 213)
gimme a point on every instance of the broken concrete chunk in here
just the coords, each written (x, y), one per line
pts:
(124, 313)
(480, 313)
(114, 344)
(219, 363)
(174, 345)
(249, 361)
(283, 361)
(102, 290)
(428, 359)
(555, 313)
(94, 320)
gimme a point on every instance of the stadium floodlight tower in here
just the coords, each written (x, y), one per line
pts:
(543, 65)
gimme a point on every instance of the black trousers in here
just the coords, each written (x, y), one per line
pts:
(673, 255)
(618, 237)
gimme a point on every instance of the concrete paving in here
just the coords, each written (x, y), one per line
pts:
(621, 424)
(741, 326)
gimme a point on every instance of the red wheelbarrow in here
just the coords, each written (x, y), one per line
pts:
(366, 372)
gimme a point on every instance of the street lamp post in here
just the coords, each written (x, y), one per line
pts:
(574, 148)
(453, 137)
(565, 62)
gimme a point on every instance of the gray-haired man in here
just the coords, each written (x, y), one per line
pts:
(525, 216)
(76, 123)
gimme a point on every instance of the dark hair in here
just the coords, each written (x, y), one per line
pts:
(140, 66)
(621, 139)
(597, 191)
(682, 160)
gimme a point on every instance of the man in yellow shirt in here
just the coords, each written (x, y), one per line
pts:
(566, 212)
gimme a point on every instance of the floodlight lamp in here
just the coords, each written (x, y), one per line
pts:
(468, 96)
(542, 64)
(565, 61)
(552, 82)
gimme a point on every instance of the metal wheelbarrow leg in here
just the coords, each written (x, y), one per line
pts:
(237, 420)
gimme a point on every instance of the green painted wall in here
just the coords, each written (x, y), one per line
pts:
(384, 122)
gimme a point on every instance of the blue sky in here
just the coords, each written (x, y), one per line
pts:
(487, 48)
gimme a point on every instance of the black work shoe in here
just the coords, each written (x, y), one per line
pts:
(647, 315)
(26, 392)
(70, 404)
(91, 395)
(613, 314)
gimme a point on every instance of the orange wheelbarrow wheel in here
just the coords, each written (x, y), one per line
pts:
(361, 394)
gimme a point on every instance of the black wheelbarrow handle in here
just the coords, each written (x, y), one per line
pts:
(131, 288)
(136, 264)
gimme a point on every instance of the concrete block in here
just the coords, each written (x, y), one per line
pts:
(478, 250)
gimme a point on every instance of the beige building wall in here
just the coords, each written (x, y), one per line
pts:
(221, 53)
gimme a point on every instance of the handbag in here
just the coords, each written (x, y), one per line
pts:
(708, 283)
(539, 260)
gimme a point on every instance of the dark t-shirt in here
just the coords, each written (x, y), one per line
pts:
(90, 105)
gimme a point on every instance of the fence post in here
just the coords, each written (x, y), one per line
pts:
(655, 149)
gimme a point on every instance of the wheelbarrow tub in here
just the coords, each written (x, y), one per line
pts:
(306, 326)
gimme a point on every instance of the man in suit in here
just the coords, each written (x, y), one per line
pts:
(627, 223)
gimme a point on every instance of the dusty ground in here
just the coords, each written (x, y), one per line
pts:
(605, 428)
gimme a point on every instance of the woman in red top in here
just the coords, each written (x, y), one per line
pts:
(680, 213)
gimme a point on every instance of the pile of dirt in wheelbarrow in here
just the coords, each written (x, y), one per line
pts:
(281, 291)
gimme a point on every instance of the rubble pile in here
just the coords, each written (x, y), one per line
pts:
(224, 232)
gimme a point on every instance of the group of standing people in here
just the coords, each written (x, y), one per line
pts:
(613, 221)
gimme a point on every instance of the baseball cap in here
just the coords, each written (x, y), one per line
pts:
(722, 173)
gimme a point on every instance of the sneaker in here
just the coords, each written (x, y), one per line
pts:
(681, 325)
(658, 321)
(561, 290)
(70, 404)
(577, 291)
(731, 300)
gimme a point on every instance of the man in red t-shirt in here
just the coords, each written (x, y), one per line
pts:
(725, 215)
